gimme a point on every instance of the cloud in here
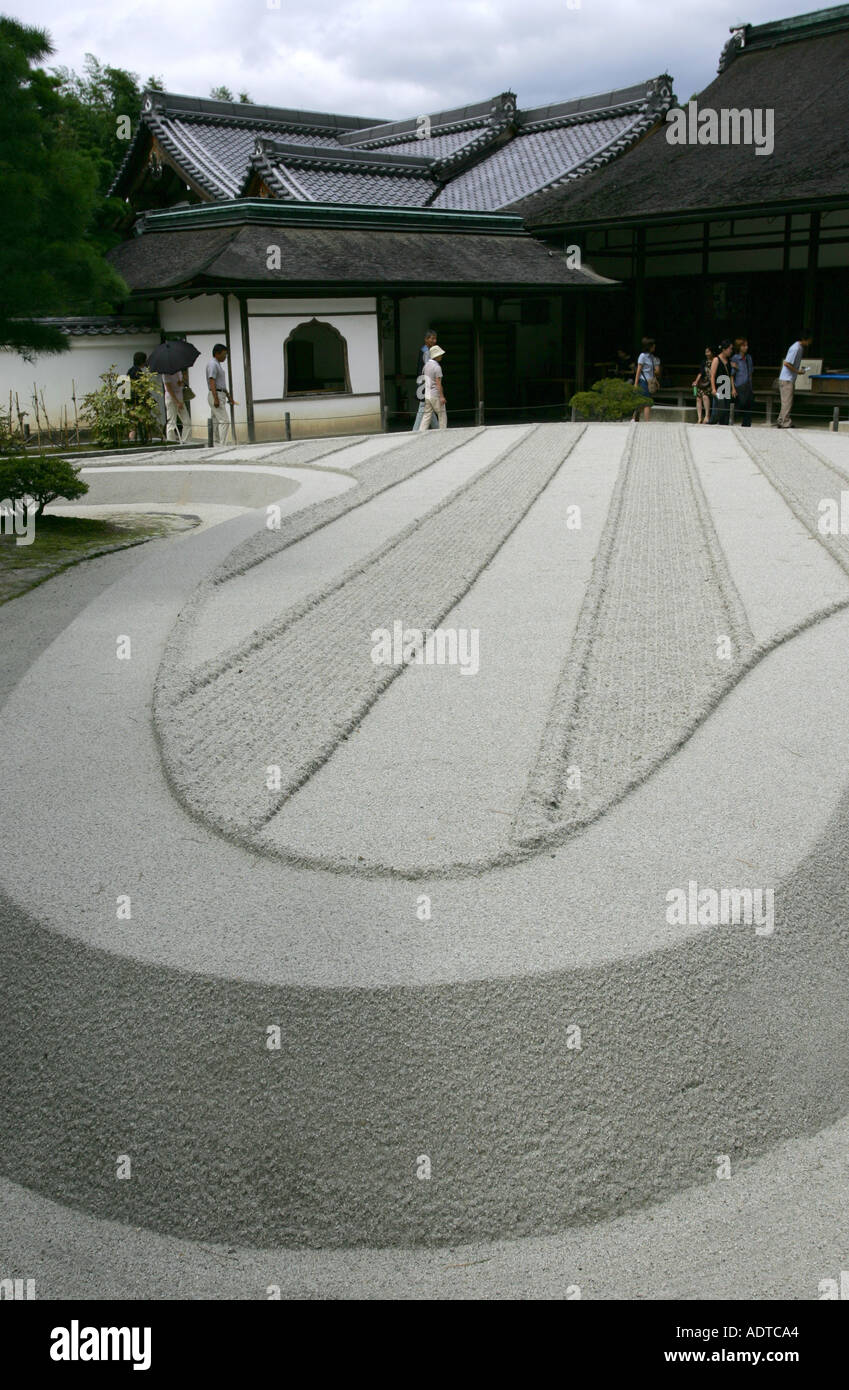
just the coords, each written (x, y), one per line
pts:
(395, 58)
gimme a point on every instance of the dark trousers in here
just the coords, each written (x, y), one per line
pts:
(744, 404)
(721, 411)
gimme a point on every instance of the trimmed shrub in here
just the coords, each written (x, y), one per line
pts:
(610, 399)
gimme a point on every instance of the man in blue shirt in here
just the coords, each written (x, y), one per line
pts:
(743, 370)
(790, 369)
(424, 357)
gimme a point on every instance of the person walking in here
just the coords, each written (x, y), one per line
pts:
(722, 384)
(173, 384)
(216, 380)
(434, 402)
(743, 371)
(702, 389)
(647, 376)
(790, 370)
(424, 358)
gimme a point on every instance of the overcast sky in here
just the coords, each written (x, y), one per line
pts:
(394, 58)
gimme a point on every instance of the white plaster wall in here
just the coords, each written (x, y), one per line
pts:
(83, 364)
(269, 333)
(203, 313)
(333, 415)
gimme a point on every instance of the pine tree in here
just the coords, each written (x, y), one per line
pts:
(49, 261)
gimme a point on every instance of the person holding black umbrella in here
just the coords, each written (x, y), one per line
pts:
(171, 359)
(173, 384)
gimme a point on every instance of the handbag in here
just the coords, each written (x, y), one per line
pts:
(188, 393)
(652, 381)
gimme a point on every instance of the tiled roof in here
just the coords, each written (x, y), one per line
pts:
(383, 190)
(96, 325)
(530, 162)
(474, 158)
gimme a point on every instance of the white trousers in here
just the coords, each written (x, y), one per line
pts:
(432, 408)
(220, 420)
(175, 411)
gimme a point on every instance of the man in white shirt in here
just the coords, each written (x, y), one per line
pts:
(175, 408)
(790, 369)
(434, 396)
(216, 380)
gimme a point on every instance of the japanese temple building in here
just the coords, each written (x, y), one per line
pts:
(320, 248)
(537, 241)
(717, 240)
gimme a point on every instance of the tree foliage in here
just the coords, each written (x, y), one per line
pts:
(224, 94)
(39, 478)
(50, 262)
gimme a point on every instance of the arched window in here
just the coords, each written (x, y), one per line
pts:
(316, 361)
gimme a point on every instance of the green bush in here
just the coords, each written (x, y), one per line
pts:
(608, 400)
(111, 417)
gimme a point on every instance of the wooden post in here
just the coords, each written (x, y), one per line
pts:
(639, 284)
(810, 310)
(581, 343)
(246, 359)
(209, 431)
(769, 409)
(835, 419)
(226, 306)
(477, 316)
(288, 424)
(76, 417)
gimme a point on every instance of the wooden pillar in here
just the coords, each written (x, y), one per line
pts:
(396, 331)
(477, 317)
(378, 318)
(639, 285)
(246, 358)
(225, 304)
(396, 342)
(580, 341)
(809, 311)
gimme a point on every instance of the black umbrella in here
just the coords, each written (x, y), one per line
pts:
(172, 356)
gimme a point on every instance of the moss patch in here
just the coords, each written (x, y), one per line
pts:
(61, 541)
